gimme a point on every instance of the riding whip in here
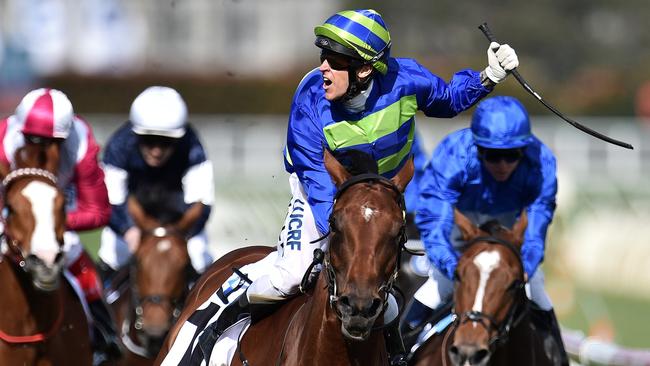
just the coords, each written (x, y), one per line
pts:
(488, 34)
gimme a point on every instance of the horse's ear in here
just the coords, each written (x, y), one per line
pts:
(141, 219)
(4, 170)
(190, 217)
(467, 228)
(20, 157)
(337, 170)
(519, 228)
(403, 177)
(52, 158)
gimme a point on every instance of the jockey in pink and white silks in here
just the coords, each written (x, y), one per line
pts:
(45, 116)
(361, 99)
(156, 148)
(493, 170)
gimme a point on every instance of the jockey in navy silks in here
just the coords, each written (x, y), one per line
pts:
(156, 147)
(492, 170)
(359, 98)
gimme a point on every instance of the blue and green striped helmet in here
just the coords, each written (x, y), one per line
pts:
(362, 33)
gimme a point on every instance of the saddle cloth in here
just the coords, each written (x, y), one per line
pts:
(431, 329)
(184, 350)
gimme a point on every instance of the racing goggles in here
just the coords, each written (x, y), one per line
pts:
(336, 61)
(497, 155)
(156, 141)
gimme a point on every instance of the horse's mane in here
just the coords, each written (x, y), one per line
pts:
(491, 227)
(357, 162)
(157, 201)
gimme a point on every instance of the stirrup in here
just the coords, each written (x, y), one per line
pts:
(398, 360)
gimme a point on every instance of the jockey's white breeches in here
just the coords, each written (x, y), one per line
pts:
(115, 252)
(439, 289)
(295, 251)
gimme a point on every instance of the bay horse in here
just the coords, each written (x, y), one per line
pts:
(154, 285)
(42, 321)
(336, 323)
(492, 323)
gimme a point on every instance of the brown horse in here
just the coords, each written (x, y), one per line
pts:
(42, 321)
(336, 323)
(492, 322)
(158, 279)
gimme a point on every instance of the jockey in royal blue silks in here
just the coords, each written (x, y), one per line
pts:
(155, 148)
(361, 99)
(492, 170)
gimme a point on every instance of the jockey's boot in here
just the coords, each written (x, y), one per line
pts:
(106, 348)
(237, 309)
(547, 320)
(416, 316)
(105, 272)
(394, 344)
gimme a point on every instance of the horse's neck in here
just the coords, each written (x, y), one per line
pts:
(24, 309)
(321, 341)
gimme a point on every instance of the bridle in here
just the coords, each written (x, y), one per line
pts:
(386, 287)
(10, 248)
(137, 304)
(517, 310)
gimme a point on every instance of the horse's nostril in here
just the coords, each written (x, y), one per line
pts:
(468, 354)
(345, 305)
(453, 350)
(375, 307)
(479, 356)
(454, 355)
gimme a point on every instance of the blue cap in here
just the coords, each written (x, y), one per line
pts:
(501, 123)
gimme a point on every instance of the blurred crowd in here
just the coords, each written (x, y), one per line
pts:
(588, 57)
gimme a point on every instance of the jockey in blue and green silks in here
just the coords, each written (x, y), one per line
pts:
(359, 98)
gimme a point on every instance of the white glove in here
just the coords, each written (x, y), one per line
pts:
(501, 59)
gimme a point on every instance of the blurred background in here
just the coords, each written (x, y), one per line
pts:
(237, 63)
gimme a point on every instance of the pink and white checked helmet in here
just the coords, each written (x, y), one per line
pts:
(45, 112)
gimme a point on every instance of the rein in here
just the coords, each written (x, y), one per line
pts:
(38, 337)
(517, 310)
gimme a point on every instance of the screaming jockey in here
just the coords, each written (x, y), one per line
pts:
(358, 98)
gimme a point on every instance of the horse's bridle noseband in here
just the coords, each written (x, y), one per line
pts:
(387, 286)
(516, 311)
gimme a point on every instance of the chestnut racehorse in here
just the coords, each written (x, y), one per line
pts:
(158, 276)
(336, 323)
(492, 322)
(42, 320)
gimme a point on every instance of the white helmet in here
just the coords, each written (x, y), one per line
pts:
(160, 111)
(45, 112)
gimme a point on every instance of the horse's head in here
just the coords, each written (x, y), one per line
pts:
(159, 271)
(367, 232)
(488, 288)
(34, 215)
